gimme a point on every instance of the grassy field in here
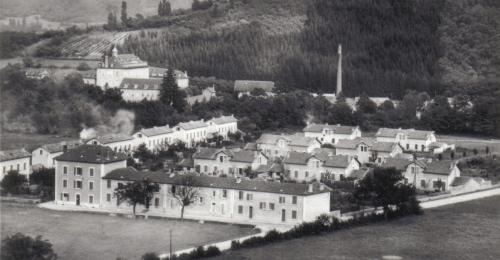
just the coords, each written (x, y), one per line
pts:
(469, 230)
(81, 236)
(28, 141)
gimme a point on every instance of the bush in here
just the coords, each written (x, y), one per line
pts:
(150, 256)
(21, 247)
(13, 182)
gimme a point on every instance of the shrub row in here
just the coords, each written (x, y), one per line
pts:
(200, 252)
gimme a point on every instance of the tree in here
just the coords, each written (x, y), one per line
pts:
(13, 181)
(43, 176)
(112, 22)
(83, 66)
(137, 192)
(258, 92)
(170, 94)
(150, 256)
(142, 153)
(383, 188)
(185, 191)
(164, 8)
(124, 16)
(21, 247)
(366, 105)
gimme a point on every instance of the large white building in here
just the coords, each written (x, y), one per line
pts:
(410, 139)
(134, 77)
(331, 134)
(233, 163)
(15, 160)
(87, 177)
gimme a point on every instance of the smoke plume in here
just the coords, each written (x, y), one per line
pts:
(122, 122)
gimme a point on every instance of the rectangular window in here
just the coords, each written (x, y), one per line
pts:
(78, 184)
(296, 174)
(41, 152)
(422, 183)
(240, 195)
(249, 196)
(91, 185)
(240, 209)
(294, 214)
(65, 183)
(262, 205)
(78, 171)
(157, 202)
(201, 200)
(282, 200)
(24, 166)
(271, 206)
(108, 197)
(17, 167)
(294, 199)
(214, 193)
(65, 170)
(91, 172)
(205, 168)
(108, 184)
(416, 147)
(307, 174)
(224, 193)
(91, 199)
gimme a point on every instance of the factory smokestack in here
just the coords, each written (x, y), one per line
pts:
(339, 72)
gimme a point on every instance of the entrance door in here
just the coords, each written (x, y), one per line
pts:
(250, 212)
(78, 199)
(283, 215)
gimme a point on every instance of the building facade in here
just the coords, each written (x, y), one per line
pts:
(233, 163)
(410, 139)
(279, 146)
(331, 134)
(15, 160)
(43, 156)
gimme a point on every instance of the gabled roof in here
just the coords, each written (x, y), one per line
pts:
(126, 61)
(352, 144)
(251, 146)
(411, 133)
(91, 154)
(443, 167)
(243, 156)
(385, 147)
(337, 161)
(157, 130)
(249, 85)
(140, 84)
(112, 138)
(7, 155)
(360, 173)
(297, 158)
(130, 174)
(192, 124)
(398, 163)
(297, 139)
(208, 153)
(337, 129)
(61, 146)
(224, 120)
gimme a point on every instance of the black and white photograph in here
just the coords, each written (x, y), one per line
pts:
(250, 129)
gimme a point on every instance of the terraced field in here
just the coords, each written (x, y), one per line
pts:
(92, 45)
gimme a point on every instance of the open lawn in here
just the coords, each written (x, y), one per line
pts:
(79, 236)
(469, 230)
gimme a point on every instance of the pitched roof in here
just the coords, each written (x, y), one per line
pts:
(192, 124)
(297, 139)
(112, 138)
(91, 154)
(297, 158)
(443, 167)
(243, 156)
(398, 163)
(7, 155)
(59, 147)
(140, 84)
(127, 61)
(360, 173)
(337, 161)
(208, 153)
(337, 129)
(130, 174)
(157, 130)
(411, 133)
(186, 162)
(224, 120)
(352, 144)
(386, 147)
(249, 85)
(251, 146)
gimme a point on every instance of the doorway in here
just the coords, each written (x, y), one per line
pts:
(78, 199)
(250, 212)
(283, 215)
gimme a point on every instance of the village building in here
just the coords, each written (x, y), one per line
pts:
(424, 175)
(274, 146)
(368, 151)
(232, 200)
(43, 156)
(222, 126)
(36, 73)
(118, 67)
(314, 167)
(136, 90)
(246, 87)
(15, 160)
(191, 132)
(206, 95)
(79, 173)
(233, 163)
(331, 134)
(117, 142)
(410, 139)
(154, 138)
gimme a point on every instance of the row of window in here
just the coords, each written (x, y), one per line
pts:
(78, 184)
(11, 167)
(250, 211)
(78, 171)
(65, 197)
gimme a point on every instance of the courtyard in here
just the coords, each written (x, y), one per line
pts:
(80, 236)
(469, 230)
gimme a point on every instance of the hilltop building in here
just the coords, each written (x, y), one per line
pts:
(245, 87)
